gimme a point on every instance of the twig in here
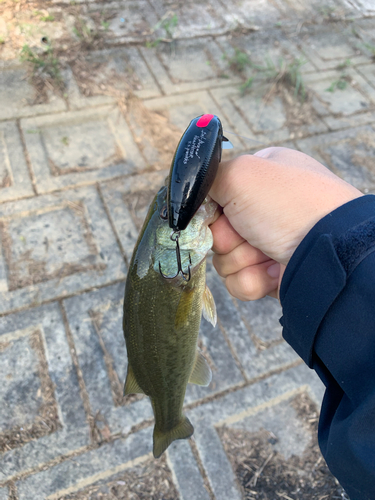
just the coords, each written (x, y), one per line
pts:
(254, 479)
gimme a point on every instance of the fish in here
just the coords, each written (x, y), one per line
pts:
(162, 317)
(194, 167)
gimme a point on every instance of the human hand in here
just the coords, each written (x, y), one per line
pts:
(270, 201)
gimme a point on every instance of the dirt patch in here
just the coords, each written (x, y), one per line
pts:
(265, 474)
(149, 481)
(156, 136)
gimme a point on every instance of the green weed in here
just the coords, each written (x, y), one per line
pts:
(370, 47)
(245, 87)
(2, 40)
(239, 61)
(282, 72)
(65, 140)
(82, 30)
(344, 64)
(342, 82)
(45, 63)
(48, 19)
(168, 22)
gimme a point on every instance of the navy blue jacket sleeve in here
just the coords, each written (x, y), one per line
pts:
(328, 300)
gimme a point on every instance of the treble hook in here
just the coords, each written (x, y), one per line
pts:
(186, 276)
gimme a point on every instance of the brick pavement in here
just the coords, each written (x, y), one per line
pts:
(76, 175)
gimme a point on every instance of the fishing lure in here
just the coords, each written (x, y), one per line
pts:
(193, 169)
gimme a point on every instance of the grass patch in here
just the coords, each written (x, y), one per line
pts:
(45, 68)
(239, 61)
(280, 73)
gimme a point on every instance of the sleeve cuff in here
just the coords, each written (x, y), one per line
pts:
(319, 268)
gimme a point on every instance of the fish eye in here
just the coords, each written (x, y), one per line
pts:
(164, 213)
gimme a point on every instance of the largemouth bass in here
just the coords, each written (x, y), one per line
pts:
(162, 317)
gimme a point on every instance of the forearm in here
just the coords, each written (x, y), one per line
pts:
(328, 299)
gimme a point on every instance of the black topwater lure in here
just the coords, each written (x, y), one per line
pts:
(193, 169)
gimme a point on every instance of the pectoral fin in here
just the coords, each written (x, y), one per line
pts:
(131, 385)
(209, 307)
(201, 374)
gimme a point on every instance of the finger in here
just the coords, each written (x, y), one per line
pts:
(253, 282)
(244, 255)
(225, 237)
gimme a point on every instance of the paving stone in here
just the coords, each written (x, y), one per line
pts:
(182, 108)
(249, 13)
(3, 493)
(235, 407)
(341, 122)
(261, 122)
(327, 50)
(128, 64)
(291, 8)
(281, 421)
(14, 176)
(172, 65)
(261, 49)
(95, 321)
(368, 84)
(348, 153)
(251, 341)
(87, 468)
(185, 471)
(346, 101)
(192, 19)
(79, 101)
(80, 147)
(119, 70)
(132, 20)
(366, 7)
(56, 245)
(38, 370)
(262, 318)
(364, 31)
(17, 96)
(127, 205)
(21, 391)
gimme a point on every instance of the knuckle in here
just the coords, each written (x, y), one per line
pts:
(218, 265)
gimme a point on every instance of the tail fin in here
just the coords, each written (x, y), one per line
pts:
(162, 440)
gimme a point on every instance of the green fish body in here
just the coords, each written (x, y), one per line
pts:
(162, 318)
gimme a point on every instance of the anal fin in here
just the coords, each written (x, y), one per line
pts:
(201, 374)
(209, 307)
(131, 385)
